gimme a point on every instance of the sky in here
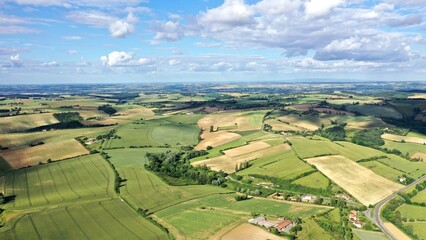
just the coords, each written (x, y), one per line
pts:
(121, 41)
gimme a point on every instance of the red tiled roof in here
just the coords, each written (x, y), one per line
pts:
(283, 224)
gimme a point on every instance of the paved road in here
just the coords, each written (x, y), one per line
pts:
(380, 205)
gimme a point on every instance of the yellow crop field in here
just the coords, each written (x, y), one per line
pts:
(360, 182)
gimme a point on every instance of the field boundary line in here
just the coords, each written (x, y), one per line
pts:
(76, 223)
(34, 226)
(118, 221)
(54, 183)
(41, 186)
(28, 188)
(68, 182)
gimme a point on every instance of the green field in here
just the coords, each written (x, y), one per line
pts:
(99, 220)
(373, 110)
(314, 180)
(420, 197)
(413, 169)
(369, 235)
(419, 229)
(311, 230)
(410, 148)
(282, 165)
(70, 199)
(25, 122)
(383, 170)
(154, 133)
(413, 211)
(145, 189)
(202, 217)
(63, 181)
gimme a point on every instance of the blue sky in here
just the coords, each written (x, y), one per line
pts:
(90, 41)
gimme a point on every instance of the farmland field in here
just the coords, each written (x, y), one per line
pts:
(218, 211)
(419, 228)
(420, 197)
(373, 110)
(249, 232)
(369, 235)
(68, 180)
(311, 230)
(413, 211)
(360, 182)
(111, 219)
(314, 180)
(282, 164)
(228, 164)
(398, 138)
(25, 122)
(383, 170)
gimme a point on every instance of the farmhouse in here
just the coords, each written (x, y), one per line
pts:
(308, 198)
(402, 179)
(353, 218)
(284, 225)
(357, 224)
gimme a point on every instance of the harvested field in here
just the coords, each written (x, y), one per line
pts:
(422, 156)
(360, 182)
(252, 147)
(25, 122)
(237, 121)
(304, 122)
(215, 139)
(24, 157)
(227, 163)
(398, 138)
(249, 232)
(418, 96)
(280, 126)
(396, 232)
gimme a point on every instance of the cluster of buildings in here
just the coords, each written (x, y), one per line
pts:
(343, 196)
(353, 218)
(281, 224)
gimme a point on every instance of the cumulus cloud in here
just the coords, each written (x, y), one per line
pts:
(319, 8)
(117, 27)
(123, 59)
(14, 62)
(298, 27)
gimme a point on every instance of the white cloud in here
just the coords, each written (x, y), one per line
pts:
(73, 52)
(231, 13)
(118, 28)
(123, 59)
(50, 64)
(320, 8)
(14, 62)
(173, 62)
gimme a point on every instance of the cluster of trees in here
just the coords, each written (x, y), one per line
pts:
(108, 109)
(68, 117)
(369, 138)
(176, 170)
(391, 214)
(242, 166)
(195, 153)
(241, 197)
(248, 191)
(335, 133)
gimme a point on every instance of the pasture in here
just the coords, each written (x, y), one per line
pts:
(420, 197)
(111, 219)
(360, 182)
(413, 212)
(200, 218)
(413, 169)
(153, 133)
(24, 122)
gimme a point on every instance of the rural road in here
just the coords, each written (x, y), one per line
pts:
(380, 205)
